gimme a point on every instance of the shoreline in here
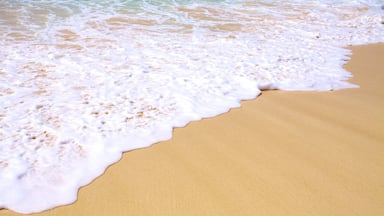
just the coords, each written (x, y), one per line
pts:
(283, 153)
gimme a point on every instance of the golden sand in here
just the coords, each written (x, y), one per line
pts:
(285, 153)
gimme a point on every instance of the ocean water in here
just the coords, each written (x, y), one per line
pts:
(83, 81)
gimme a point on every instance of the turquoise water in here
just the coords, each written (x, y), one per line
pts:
(83, 81)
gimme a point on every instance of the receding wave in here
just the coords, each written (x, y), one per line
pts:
(83, 81)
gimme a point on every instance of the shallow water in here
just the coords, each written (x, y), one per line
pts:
(83, 81)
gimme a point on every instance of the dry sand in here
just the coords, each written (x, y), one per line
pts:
(285, 153)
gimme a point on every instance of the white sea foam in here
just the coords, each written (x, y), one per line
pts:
(82, 82)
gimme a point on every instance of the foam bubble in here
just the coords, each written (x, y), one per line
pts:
(82, 82)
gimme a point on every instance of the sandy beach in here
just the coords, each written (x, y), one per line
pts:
(284, 153)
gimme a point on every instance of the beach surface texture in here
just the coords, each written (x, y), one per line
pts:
(82, 82)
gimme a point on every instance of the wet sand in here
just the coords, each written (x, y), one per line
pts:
(285, 153)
